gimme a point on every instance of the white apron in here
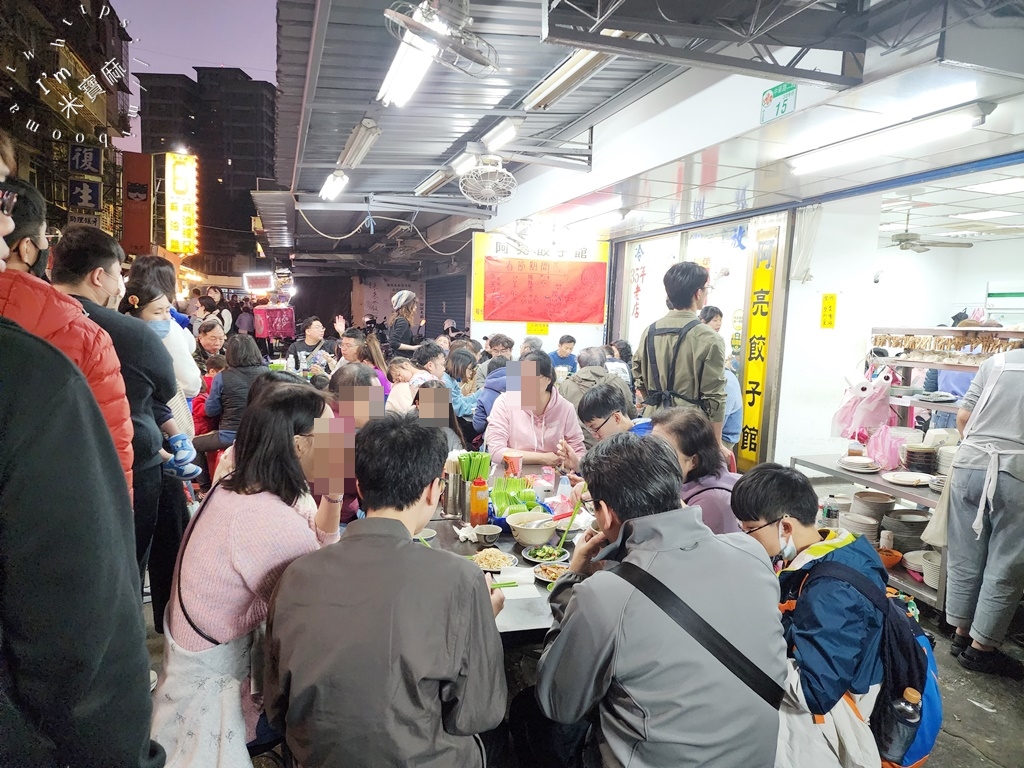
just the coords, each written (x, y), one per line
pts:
(992, 472)
(197, 704)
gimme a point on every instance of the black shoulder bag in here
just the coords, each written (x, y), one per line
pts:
(709, 637)
(656, 396)
(181, 560)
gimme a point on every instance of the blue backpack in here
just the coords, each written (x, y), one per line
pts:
(907, 662)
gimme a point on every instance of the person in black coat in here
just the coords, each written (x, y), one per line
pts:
(74, 681)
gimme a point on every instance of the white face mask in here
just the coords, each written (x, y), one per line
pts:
(787, 549)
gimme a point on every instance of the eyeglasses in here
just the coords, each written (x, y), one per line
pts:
(755, 530)
(7, 201)
(595, 430)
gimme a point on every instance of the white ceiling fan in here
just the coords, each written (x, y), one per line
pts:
(440, 28)
(911, 241)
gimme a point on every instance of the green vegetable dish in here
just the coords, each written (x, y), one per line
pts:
(546, 553)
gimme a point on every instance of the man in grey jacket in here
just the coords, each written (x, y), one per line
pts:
(662, 700)
(381, 651)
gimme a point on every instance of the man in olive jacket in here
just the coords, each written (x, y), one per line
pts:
(684, 363)
(592, 372)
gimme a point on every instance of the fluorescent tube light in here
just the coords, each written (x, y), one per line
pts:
(464, 162)
(411, 63)
(500, 135)
(433, 182)
(333, 185)
(1001, 187)
(572, 73)
(359, 143)
(984, 215)
(890, 141)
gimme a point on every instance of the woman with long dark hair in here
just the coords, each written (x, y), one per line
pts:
(222, 311)
(460, 377)
(228, 396)
(707, 482)
(251, 527)
(405, 305)
(453, 432)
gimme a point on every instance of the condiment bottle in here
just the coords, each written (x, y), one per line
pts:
(478, 498)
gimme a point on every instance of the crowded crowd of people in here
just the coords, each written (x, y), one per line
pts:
(276, 516)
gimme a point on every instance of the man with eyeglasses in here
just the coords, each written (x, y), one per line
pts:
(833, 631)
(603, 412)
(48, 313)
(679, 360)
(211, 338)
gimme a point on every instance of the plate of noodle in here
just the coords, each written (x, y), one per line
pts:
(493, 559)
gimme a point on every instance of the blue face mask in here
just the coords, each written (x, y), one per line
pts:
(786, 546)
(162, 327)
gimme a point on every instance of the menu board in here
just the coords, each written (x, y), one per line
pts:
(564, 285)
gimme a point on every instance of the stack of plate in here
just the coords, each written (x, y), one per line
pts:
(906, 523)
(843, 501)
(944, 459)
(932, 562)
(938, 483)
(862, 465)
(862, 525)
(872, 504)
(907, 543)
(914, 561)
(920, 458)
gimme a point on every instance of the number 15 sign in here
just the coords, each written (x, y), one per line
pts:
(778, 102)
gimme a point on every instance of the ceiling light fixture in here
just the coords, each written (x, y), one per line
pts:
(433, 182)
(398, 231)
(890, 141)
(411, 63)
(570, 75)
(464, 162)
(333, 185)
(984, 215)
(1000, 187)
(359, 143)
(500, 135)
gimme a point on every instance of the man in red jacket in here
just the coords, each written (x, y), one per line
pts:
(45, 312)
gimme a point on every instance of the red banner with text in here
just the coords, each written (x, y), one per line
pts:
(544, 291)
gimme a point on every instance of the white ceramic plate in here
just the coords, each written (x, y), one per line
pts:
(861, 470)
(860, 521)
(863, 461)
(562, 559)
(541, 577)
(907, 478)
(513, 561)
(914, 561)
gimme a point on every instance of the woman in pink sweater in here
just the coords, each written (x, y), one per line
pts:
(532, 417)
(252, 525)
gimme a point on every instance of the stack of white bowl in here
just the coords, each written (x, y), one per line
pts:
(932, 562)
(873, 504)
(908, 434)
(862, 525)
(944, 459)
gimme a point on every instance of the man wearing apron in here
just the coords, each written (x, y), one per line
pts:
(985, 566)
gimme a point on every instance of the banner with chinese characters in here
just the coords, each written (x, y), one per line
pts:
(137, 231)
(644, 283)
(755, 368)
(546, 285)
(181, 204)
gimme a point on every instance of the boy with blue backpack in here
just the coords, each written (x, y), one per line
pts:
(866, 673)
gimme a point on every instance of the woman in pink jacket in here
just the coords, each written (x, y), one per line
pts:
(532, 417)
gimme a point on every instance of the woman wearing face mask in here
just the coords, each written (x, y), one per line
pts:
(707, 483)
(251, 527)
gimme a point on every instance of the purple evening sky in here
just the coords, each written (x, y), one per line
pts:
(176, 36)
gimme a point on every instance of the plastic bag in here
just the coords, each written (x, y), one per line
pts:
(884, 448)
(936, 532)
(842, 422)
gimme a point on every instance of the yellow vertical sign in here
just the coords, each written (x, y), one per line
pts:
(182, 218)
(755, 353)
(828, 310)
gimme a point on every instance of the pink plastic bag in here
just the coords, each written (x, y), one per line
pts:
(842, 422)
(865, 409)
(885, 449)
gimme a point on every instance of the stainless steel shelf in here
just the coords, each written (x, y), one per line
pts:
(919, 495)
(997, 332)
(914, 402)
(902, 362)
(899, 578)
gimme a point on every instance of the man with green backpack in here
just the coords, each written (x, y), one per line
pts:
(861, 669)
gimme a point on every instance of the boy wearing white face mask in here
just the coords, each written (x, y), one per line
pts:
(832, 631)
